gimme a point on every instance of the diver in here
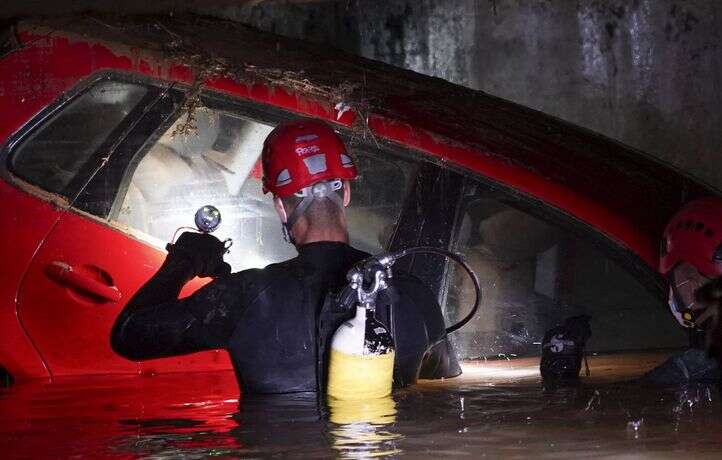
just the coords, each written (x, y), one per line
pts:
(691, 260)
(266, 318)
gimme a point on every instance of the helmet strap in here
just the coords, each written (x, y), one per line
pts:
(287, 234)
(318, 191)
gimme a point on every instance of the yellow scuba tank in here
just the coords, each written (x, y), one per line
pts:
(361, 364)
(361, 358)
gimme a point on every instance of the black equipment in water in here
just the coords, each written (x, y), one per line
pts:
(563, 348)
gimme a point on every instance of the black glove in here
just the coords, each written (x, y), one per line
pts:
(203, 251)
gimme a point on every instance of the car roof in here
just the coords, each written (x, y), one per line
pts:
(622, 192)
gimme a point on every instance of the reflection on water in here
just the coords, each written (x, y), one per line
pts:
(200, 416)
(297, 425)
(359, 428)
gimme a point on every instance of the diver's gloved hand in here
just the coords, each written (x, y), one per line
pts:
(204, 252)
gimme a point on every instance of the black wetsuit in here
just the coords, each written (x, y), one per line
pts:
(266, 319)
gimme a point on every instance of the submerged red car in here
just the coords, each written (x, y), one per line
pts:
(115, 130)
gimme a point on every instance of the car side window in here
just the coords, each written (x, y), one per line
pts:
(213, 157)
(59, 154)
(534, 273)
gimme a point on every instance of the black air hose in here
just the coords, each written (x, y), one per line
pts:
(459, 260)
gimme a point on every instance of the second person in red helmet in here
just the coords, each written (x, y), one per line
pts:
(266, 318)
(691, 260)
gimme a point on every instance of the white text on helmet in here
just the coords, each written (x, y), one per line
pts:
(307, 150)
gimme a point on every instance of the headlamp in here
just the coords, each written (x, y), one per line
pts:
(208, 219)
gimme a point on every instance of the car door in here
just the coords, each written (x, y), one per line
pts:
(76, 284)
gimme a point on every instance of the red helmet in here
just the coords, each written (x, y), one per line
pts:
(301, 153)
(694, 235)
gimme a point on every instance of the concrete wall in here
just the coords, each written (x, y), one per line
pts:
(645, 72)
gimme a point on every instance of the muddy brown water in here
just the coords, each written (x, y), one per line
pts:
(497, 409)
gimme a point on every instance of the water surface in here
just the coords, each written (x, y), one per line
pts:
(498, 409)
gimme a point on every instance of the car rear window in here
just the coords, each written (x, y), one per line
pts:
(54, 154)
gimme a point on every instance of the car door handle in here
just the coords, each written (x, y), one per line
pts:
(64, 274)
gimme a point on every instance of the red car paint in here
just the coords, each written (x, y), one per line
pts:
(42, 240)
(116, 416)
